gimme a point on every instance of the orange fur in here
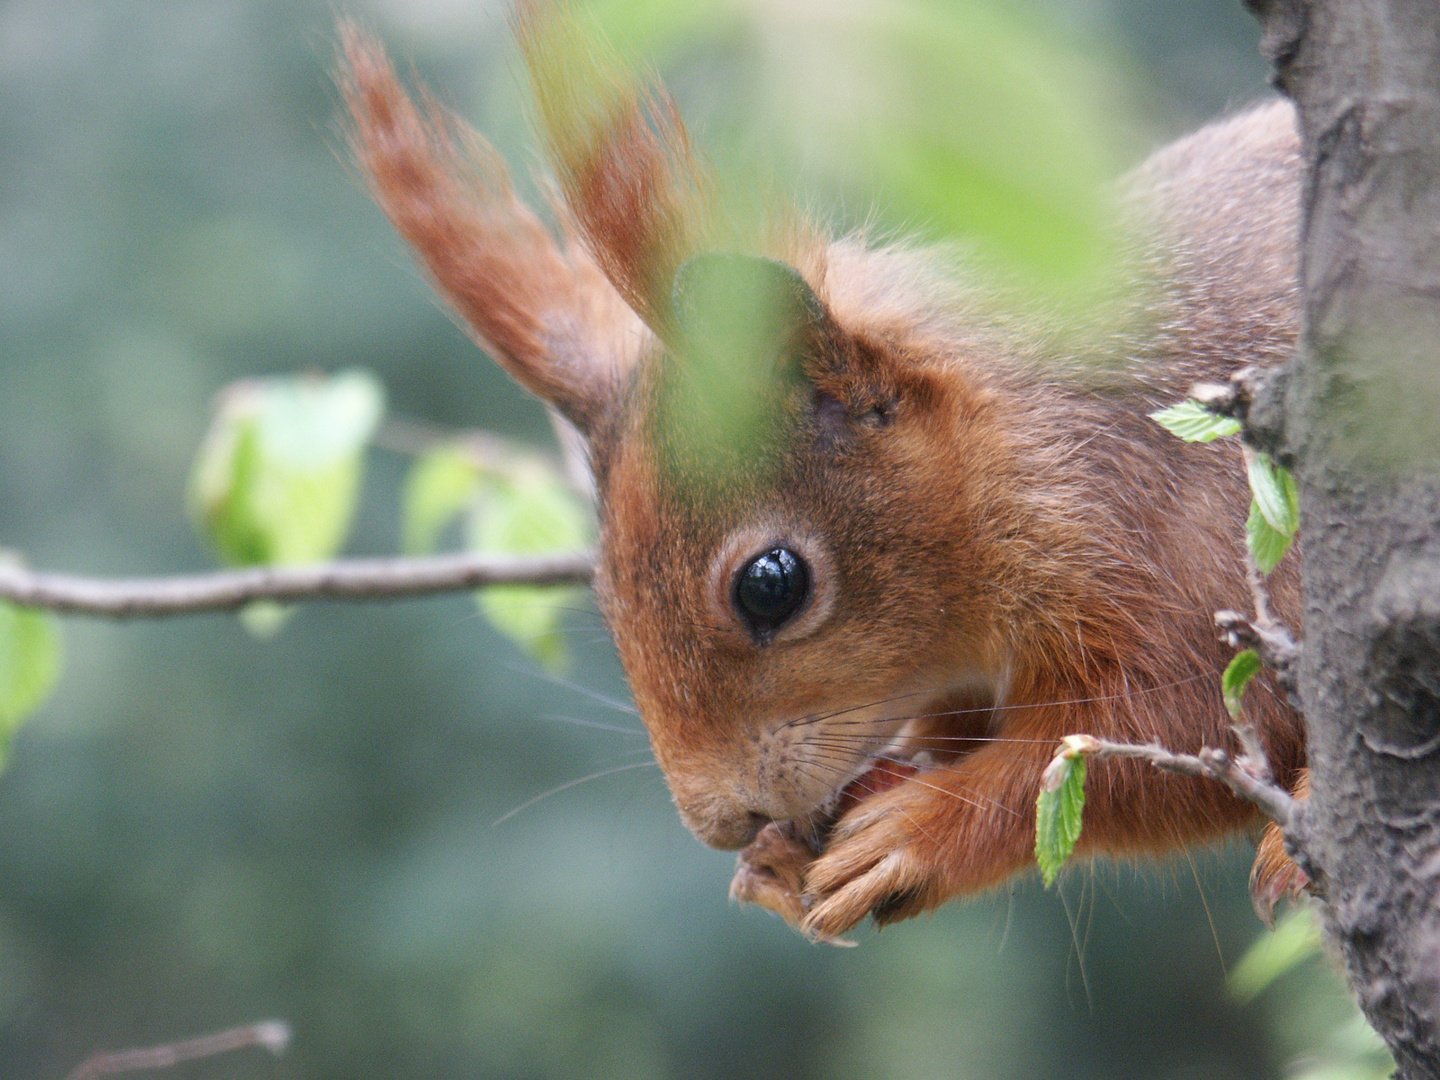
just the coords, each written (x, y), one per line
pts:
(1003, 548)
(1275, 877)
(546, 313)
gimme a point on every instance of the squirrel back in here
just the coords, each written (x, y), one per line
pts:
(869, 550)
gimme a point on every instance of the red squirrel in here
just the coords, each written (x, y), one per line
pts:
(857, 637)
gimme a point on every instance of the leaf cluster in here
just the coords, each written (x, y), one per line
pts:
(1274, 499)
(276, 481)
(520, 507)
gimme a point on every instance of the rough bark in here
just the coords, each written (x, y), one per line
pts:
(1358, 415)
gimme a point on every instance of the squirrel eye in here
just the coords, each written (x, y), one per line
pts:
(770, 588)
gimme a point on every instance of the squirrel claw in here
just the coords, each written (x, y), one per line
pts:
(769, 874)
(873, 892)
(872, 867)
(1275, 877)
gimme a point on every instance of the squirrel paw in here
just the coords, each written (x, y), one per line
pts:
(1275, 877)
(770, 873)
(879, 862)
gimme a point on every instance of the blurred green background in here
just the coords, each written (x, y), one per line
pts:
(200, 829)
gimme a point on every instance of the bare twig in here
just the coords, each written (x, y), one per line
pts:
(485, 448)
(357, 579)
(490, 451)
(1265, 633)
(1278, 649)
(271, 1034)
(1211, 763)
(1231, 398)
(1253, 758)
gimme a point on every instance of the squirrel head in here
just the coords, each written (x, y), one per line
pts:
(791, 548)
(772, 488)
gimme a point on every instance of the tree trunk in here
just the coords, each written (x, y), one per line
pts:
(1357, 415)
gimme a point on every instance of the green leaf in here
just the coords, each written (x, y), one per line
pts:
(29, 665)
(1266, 544)
(1193, 422)
(1057, 816)
(276, 477)
(530, 513)
(1275, 493)
(310, 423)
(275, 480)
(441, 485)
(1295, 939)
(1238, 674)
(264, 618)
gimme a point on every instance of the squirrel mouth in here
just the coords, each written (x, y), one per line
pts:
(884, 773)
(770, 872)
(942, 736)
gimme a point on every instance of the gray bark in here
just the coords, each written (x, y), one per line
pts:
(1357, 414)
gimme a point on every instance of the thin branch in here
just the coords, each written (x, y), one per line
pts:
(271, 1034)
(1231, 398)
(1211, 763)
(1265, 633)
(1278, 649)
(489, 451)
(356, 579)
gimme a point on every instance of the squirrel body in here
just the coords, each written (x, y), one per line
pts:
(856, 639)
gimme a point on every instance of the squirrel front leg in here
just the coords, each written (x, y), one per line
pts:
(969, 826)
(958, 829)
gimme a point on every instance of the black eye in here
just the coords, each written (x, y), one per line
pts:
(771, 588)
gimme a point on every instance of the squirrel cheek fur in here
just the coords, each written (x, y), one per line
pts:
(1002, 549)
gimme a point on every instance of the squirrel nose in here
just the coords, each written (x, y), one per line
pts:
(728, 832)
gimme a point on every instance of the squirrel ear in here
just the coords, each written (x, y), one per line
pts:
(543, 310)
(746, 311)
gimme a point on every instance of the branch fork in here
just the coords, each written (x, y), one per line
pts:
(1247, 776)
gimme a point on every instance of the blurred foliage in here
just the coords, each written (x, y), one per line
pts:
(982, 121)
(1295, 939)
(516, 506)
(442, 484)
(29, 665)
(742, 325)
(199, 829)
(277, 475)
(529, 512)
(276, 478)
(1316, 1020)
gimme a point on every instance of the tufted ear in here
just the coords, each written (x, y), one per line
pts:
(570, 320)
(642, 199)
(545, 311)
(620, 152)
